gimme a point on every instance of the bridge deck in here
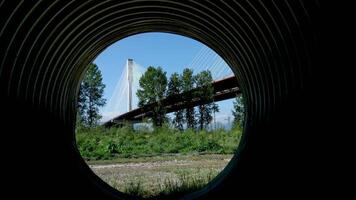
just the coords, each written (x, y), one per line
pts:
(225, 88)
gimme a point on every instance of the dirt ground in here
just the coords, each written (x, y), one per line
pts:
(151, 174)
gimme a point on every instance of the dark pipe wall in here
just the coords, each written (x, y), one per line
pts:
(46, 45)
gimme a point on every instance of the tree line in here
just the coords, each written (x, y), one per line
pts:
(155, 87)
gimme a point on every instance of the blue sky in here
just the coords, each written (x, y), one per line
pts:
(171, 52)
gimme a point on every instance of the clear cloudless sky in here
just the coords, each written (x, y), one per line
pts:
(171, 52)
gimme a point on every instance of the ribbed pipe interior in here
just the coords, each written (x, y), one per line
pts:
(46, 46)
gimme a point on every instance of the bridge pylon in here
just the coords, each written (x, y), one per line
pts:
(130, 82)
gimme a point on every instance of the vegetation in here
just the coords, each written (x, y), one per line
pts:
(162, 177)
(175, 87)
(239, 110)
(90, 97)
(153, 85)
(188, 85)
(154, 88)
(104, 144)
(203, 81)
(186, 142)
(172, 187)
(186, 183)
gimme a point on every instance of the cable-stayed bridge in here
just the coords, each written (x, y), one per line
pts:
(122, 106)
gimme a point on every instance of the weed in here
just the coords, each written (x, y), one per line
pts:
(99, 143)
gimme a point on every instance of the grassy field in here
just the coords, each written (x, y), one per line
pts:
(157, 164)
(160, 176)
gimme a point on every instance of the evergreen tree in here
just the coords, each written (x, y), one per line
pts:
(239, 110)
(91, 97)
(175, 88)
(153, 86)
(205, 92)
(188, 85)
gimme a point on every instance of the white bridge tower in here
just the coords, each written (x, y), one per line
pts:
(130, 81)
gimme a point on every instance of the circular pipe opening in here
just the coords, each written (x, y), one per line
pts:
(223, 79)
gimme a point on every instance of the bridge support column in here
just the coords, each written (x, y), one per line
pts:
(130, 80)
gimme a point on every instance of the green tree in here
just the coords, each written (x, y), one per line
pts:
(153, 86)
(188, 85)
(175, 88)
(239, 110)
(205, 92)
(91, 97)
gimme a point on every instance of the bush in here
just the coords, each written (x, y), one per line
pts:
(100, 143)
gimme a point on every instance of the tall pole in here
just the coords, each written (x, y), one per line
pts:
(130, 80)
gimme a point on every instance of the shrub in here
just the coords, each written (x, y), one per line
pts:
(100, 143)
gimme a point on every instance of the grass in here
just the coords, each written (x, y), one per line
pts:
(160, 158)
(161, 164)
(166, 178)
(171, 187)
(109, 144)
(185, 183)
